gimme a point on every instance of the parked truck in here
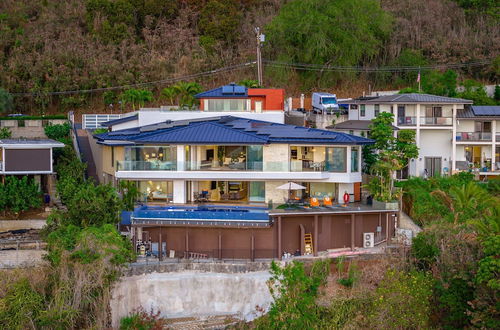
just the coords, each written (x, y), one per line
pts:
(324, 103)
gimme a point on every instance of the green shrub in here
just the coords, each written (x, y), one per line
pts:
(425, 250)
(5, 133)
(21, 306)
(19, 194)
(140, 320)
(59, 132)
(402, 301)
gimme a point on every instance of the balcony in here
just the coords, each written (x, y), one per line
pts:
(473, 136)
(436, 121)
(408, 121)
(153, 165)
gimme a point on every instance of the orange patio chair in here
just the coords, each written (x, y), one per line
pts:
(314, 202)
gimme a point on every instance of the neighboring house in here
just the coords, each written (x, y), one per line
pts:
(232, 159)
(235, 98)
(477, 139)
(354, 127)
(434, 119)
(28, 157)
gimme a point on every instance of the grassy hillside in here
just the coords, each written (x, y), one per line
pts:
(61, 45)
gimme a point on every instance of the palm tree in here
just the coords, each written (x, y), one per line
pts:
(249, 83)
(170, 94)
(468, 201)
(136, 97)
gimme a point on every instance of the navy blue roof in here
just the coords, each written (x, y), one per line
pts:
(120, 120)
(226, 91)
(486, 110)
(228, 130)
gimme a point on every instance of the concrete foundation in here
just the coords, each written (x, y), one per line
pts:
(192, 294)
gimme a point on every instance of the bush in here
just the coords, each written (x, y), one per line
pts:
(21, 306)
(140, 320)
(294, 293)
(59, 132)
(402, 301)
(5, 133)
(19, 194)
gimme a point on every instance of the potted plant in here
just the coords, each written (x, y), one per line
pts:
(381, 187)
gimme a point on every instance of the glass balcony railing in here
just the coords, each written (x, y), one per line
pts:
(153, 165)
(473, 136)
(407, 120)
(438, 121)
(291, 166)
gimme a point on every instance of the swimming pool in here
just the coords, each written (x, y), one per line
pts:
(200, 215)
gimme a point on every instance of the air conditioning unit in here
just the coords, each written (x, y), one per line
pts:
(368, 240)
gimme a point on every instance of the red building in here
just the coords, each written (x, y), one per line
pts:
(238, 98)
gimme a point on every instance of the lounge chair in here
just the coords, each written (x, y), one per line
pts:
(327, 202)
(314, 202)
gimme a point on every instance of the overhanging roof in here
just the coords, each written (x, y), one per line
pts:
(226, 91)
(228, 130)
(480, 112)
(410, 98)
(354, 125)
(120, 120)
(33, 143)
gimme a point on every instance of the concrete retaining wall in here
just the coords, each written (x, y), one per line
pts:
(192, 294)
(6, 225)
(21, 258)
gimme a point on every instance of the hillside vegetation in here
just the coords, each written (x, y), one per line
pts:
(63, 45)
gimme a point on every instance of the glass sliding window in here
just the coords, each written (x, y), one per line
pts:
(254, 158)
(377, 109)
(227, 105)
(150, 158)
(257, 191)
(362, 110)
(354, 159)
(335, 159)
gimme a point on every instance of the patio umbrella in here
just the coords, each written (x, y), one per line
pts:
(290, 186)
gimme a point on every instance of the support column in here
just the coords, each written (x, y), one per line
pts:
(454, 141)
(279, 238)
(160, 250)
(179, 191)
(315, 238)
(387, 227)
(220, 246)
(348, 160)
(252, 251)
(353, 231)
(395, 113)
(187, 240)
(417, 140)
(181, 157)
(493, 144)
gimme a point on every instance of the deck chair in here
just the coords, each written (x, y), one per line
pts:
(327, 202)
(314, 202)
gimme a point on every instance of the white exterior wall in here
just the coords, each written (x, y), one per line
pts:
(147, 117)
(343, 187)
(465, 125)
(435, 143)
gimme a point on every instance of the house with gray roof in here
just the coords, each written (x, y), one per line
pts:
(438, 122)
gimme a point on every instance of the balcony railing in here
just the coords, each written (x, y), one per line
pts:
(407, 121)
(438, 121)
(473, 136)
(154, 165)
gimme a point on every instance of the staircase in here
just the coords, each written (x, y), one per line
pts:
(86, 152)
(308, 244)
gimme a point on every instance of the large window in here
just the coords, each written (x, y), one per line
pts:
(377, 110)
(335, 159)
(257, 191)
(150, 158)
(354, 159)
(155, 190)
(227, 105)
(362, 110)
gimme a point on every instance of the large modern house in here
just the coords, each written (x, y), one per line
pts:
(232, 159)
(438, 122)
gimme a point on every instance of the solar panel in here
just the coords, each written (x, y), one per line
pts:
(239, 89)
(486, 110)
(227, 89)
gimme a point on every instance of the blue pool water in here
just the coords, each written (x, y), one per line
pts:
(202, 213)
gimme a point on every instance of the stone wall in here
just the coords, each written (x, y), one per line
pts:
(193, 293)
(6, 225)
(32, 129)
(20, 258)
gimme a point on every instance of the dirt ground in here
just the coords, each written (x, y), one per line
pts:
(36, 214)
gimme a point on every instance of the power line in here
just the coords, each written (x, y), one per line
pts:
(157, 82)
(319, 67)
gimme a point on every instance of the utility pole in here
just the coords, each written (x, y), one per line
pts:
(260, 39)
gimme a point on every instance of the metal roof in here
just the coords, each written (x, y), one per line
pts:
(120, 120)
(228, 130)
(354, 125)
(40, 143)
(410, 98)
(479, 112)
(226, 91)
